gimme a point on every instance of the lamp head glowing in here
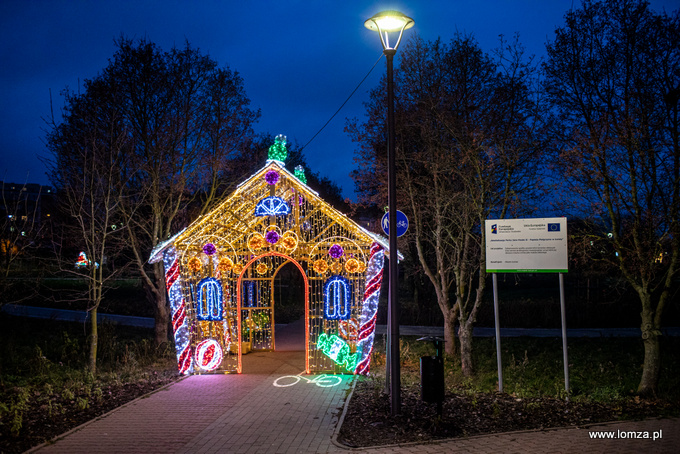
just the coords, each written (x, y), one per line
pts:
(389, 21)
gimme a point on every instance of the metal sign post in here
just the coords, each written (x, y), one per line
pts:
(498, 332)
(564, 336)
(527, 246)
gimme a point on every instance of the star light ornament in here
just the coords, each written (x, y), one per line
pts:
(278, 151)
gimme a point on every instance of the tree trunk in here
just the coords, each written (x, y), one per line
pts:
(465, 338)
(450, 318)
(160, 304)
(652, 360)
(92, 362)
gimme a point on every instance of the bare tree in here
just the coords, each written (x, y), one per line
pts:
(468, 143)
(186, 119)
(88, 168)
(613, 73)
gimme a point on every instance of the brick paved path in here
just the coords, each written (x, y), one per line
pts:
(248, 413)
(222, 413)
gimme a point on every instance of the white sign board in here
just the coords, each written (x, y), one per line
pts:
(526, 245)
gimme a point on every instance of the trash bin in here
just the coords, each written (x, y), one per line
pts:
(432, 374)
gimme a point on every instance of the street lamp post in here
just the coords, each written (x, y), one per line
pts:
(385, 23)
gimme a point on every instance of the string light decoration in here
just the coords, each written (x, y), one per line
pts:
(336, 251)
(278, 151)
(82, 261)
(209, 305)
(337, 299)
(272, 206)
(289, 241)
(195, 264)
(300, 174)
(348, 329)
(320, 266)
(352, 266)
(208, 354)
(256, 242)
(272, 177)
(180, 325)
(312, 236)
(261, 268)
(338, 350)
(336, 267)
(225, 265)
(369, 309)
(272, 237)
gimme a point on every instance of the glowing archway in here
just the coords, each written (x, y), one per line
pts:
(239, 298)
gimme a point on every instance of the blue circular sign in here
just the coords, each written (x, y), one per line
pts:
(402, 223)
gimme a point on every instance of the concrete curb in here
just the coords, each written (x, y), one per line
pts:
(338, 426)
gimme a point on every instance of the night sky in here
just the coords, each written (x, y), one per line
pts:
(299, 59)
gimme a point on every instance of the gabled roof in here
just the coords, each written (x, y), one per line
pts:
(235, 217)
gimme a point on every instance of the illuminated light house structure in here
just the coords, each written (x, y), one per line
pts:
(220, 274)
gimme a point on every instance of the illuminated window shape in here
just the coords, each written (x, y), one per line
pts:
(249, 292)
(209, 300)
(272, 206)
(336, 295)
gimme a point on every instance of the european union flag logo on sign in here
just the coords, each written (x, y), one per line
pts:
(554, 227)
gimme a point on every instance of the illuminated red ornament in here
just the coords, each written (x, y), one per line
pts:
(208, 354)
(272, 177)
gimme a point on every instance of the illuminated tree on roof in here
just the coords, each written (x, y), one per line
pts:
(278, 151)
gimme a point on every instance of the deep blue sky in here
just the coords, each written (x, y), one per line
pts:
(299, 59)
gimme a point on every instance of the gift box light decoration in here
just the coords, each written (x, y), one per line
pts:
(220, 274)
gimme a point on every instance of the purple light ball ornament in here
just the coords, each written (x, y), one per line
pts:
(336, 251)
(272, 237)
(272, 177)
(209, 249)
